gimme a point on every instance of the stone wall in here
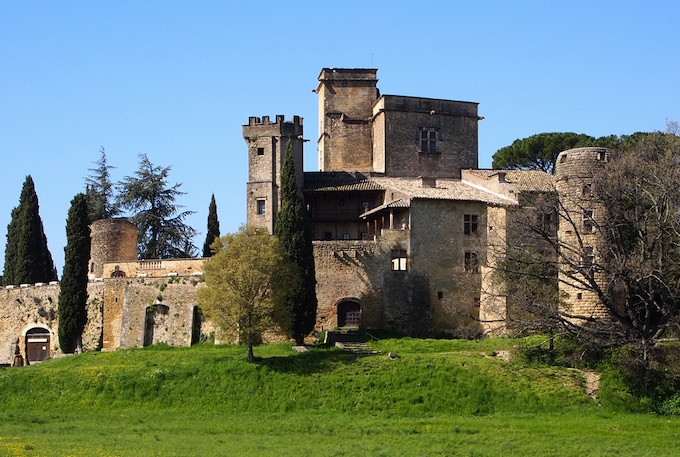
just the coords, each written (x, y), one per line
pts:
(438, 251)
(23, 308)
(142, 299)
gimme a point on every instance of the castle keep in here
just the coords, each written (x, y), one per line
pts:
(407, 229)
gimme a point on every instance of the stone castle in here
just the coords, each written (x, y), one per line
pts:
(407, 229)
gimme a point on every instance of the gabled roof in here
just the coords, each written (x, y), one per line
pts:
(335, 181)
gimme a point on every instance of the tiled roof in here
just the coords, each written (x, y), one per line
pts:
(522, 180)
(446, 189)
(338, 181)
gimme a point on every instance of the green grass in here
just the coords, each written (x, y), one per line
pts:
(438, 397)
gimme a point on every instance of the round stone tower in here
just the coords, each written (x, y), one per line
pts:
(112, 240)
(578, 232)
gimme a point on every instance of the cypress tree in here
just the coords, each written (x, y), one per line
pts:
(213, 228)
(73, 290)
(27, 257)
(296, 312)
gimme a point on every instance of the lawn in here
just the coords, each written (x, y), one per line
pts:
(438, 397)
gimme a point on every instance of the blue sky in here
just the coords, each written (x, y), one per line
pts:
(177, 80)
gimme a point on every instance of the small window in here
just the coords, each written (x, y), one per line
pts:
(470, 224)
(428, 140)
(327, 236)
(588, 222)
(587, 190)
(261, 206)
(364, 235)
(602, 156)
(260, 151)
(563, 158)
(365, 206)
(471, 262)
(398, 260)
(579, 296)
(547, 221)
(440, 295)
(345, 236)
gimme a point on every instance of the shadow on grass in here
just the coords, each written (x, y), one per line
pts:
(307, 363)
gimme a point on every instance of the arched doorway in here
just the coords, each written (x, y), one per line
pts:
(37, 344)
(349, 314)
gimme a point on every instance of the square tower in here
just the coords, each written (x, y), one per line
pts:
(346, 97)
(267, 143)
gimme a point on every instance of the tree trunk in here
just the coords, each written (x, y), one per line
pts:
(251, 357)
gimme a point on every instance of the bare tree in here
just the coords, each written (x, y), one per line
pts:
(610, 275)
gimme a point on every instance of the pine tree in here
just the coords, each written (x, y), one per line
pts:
(162, 232)
(296, 312)
(213, 228)
(73, 290)
(99, 191)
(27, 258)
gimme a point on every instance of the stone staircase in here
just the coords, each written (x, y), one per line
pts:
(349, 340)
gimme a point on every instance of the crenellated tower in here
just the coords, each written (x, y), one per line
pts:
(267, 142)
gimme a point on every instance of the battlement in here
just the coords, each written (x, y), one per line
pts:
(280, 120)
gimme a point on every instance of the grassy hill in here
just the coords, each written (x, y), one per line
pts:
(438, 397)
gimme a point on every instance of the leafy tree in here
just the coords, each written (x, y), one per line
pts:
(213, 228)
(539, 152)
(73, 288)
(27, 258)
(296, 312)
(99, 191)
(162, 231)
(241, 279)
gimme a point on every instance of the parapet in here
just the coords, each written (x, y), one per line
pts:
(280, 120)
(344, 74)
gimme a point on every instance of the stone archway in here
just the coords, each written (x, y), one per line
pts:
(157, 328)
(38, 340)
(349, 313)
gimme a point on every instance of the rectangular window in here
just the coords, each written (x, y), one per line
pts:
(345, 236)
(260, 151)
(327, 236)
(588, 222)
(398, 260)
(261, 206)
(547, 221)
(470, 224)
(471, 262)
(428, 140)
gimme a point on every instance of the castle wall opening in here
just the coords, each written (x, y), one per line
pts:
(37, 344)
